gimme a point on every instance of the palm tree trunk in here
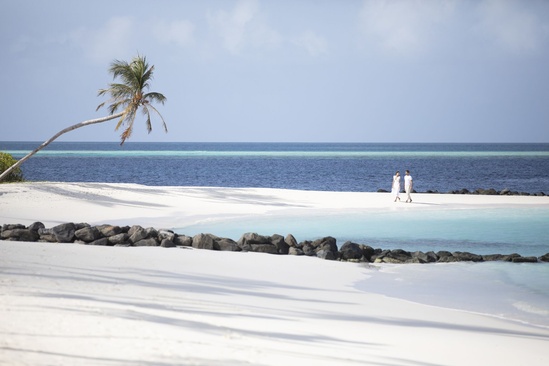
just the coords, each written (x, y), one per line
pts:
(46, 143)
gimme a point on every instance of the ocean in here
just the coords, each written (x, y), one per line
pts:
(519, 291)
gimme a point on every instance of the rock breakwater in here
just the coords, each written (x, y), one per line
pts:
(325, 248)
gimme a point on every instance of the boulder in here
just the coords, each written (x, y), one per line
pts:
(167, 243)
(183, 240)
(295, 251)
(148, 242)
(525, 260)
(350, 251)
(421, 257)
(204, 241)
(137, 233)
(467, 257)
(102, 242)
(367, 252)
(121, 238)
(253, 238)
(20, 235)
(227, 244)
(280, 243)
(326, 243)
(264, 248)
(47, 235)
(326, 254)
(64, 233)
(290, 240)
(35, 226)
(88, 234)
(109, 230)
(166, 234)
(544, 258)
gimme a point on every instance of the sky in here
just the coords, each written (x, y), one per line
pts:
(281, 70)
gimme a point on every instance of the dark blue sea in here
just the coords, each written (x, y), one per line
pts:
(306, 166)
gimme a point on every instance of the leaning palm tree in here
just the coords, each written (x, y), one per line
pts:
(129, 96)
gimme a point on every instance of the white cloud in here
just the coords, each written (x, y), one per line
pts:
(243, 27)
(115, 39)
(403, 26)
(513, 25)
(312, 43)
(180, 32)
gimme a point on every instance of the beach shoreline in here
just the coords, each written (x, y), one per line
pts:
(80, 305)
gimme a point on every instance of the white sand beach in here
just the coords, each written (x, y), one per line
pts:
(71, 304)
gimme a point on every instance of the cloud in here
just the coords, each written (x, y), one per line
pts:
(115, 39)
(513, 25)
(180, 32)
(402, 26)
(312, 43)
(243, 27)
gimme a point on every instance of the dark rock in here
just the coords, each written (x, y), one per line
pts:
(290, 240)
(367, 252)
(525, 260)
(228, 245)
(295, 251)
(109, 230)
(467, 257)
(544, 258)
(253, 238)
(137, 233)
(6, 227)
(397, 256)
(280, 243)
(88, 234)
(326, 243)
(121, 238)
(264, 248)
(326, 254)
(167, 243)
(102, 241)
(64, 233)
(47, 235)
(166, 234)
(183, 241)
(20, 235)
(308, 249)
(350, 250)
(35, 226)
(204, 241)
(420, 257)
(148, 242)
(151, 232)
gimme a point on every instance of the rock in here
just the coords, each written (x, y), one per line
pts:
(264, 248)
(495, 257)
(525, 260)
(148, 242)
(6, 227)
(290, 240)
(420, 257)
(136, 234)
(35, 226)
(64, 233)
(204, 241)
(167, 243)
(280, 243)
(308, 249)
(350, 251)
(20, 235)
(397, 256)
(253, 238)
(544, 258)
(166, 234)
(326, 243)
(228, 245)
(467, 257)
(326, 254)
(88, 234)
(109, 230)
(47, 235)
(367, 252)
(102, 241)
(295, 251)
(121, 238)
(183, 241)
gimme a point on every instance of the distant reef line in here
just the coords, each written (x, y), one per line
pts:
(325, 247)
(480, 191)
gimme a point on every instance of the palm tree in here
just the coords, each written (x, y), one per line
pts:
(129, 96)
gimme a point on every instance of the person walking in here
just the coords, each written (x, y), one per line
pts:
(408, 185)
(395, 188)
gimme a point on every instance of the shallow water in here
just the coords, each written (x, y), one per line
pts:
(518, 291)
(482, 231)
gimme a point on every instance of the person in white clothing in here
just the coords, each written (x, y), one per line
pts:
(408, 185)
(395, 188)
